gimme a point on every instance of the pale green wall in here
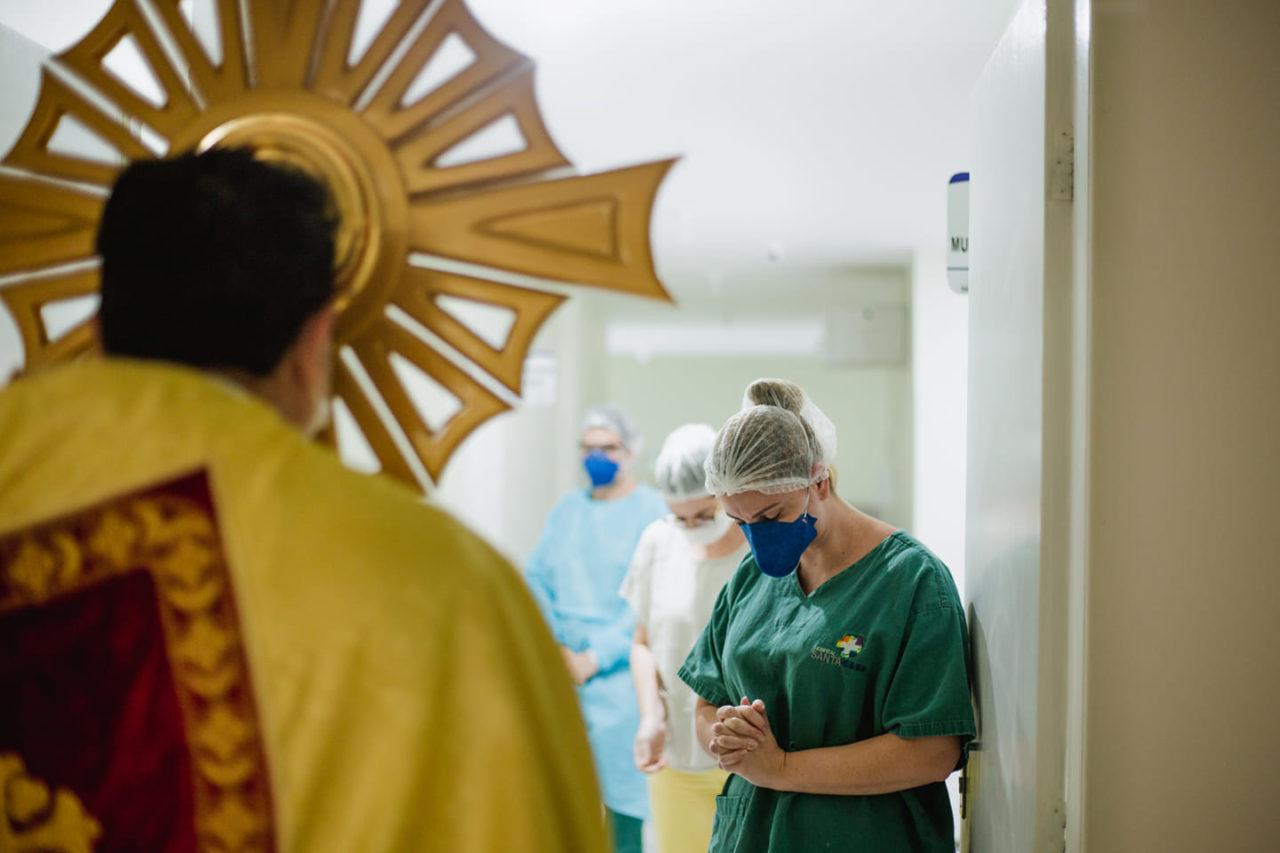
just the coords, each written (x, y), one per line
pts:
(870, 406)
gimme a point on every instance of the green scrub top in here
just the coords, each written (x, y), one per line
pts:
(880, 647)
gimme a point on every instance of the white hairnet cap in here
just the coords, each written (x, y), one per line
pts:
(679, 472)
(610, 417)
(779, 442)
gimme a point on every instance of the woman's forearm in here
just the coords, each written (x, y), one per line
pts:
(879, 765)
(644, 674)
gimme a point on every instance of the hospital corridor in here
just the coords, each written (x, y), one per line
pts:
(723, 425)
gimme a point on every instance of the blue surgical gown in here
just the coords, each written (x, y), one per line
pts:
(575, 572)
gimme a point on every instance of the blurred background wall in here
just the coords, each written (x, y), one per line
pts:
(801, 234)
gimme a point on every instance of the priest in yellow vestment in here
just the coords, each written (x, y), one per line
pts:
(212, 635)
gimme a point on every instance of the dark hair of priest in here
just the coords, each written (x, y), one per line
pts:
(213, 260)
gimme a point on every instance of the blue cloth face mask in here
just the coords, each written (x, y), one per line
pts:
(600, 468)
(777, 545)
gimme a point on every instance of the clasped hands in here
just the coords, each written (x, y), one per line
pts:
(742, 742)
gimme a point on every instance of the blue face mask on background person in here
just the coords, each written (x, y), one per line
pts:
(777, 545)
(600, 468)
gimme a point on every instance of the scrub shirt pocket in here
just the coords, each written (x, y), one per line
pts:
(727, 825)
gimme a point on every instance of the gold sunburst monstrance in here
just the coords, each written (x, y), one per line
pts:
(285, 84)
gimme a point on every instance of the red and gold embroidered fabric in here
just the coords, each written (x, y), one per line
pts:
(131, 722)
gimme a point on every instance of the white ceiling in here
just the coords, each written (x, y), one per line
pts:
(816, 136)
(814, 133)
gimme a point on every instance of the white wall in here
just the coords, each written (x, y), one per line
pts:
(527, 456)
(29, 33)
(55, 26)
(530, 454)
(506, 476)
(530, 450)
(20, 60)
(1005, 450)
(939, 390)
(870, 407)
(800, 325)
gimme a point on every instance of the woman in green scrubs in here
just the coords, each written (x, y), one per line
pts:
(833, 678)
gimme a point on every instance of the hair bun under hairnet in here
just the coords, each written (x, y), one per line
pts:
(774, 392)
(779, 442)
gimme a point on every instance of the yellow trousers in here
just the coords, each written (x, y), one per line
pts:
(683, 806)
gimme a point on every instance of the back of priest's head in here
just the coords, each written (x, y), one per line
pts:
(213, 260)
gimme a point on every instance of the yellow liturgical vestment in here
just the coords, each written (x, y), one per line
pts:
(214, 636)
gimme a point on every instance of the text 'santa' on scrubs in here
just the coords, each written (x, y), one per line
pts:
(575, 572)
(880, 647)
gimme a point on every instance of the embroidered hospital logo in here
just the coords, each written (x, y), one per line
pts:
(849, 645)
(848, 648)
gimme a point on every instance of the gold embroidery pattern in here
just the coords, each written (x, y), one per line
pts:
(39, 820)
(175, 539)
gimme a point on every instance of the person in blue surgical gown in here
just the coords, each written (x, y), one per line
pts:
(574, 572)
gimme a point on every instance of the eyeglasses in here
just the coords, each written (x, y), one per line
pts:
(699, 520)
(607, 449)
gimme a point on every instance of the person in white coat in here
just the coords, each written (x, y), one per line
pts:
(679, 567)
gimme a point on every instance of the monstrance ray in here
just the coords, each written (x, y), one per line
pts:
(282, 80)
